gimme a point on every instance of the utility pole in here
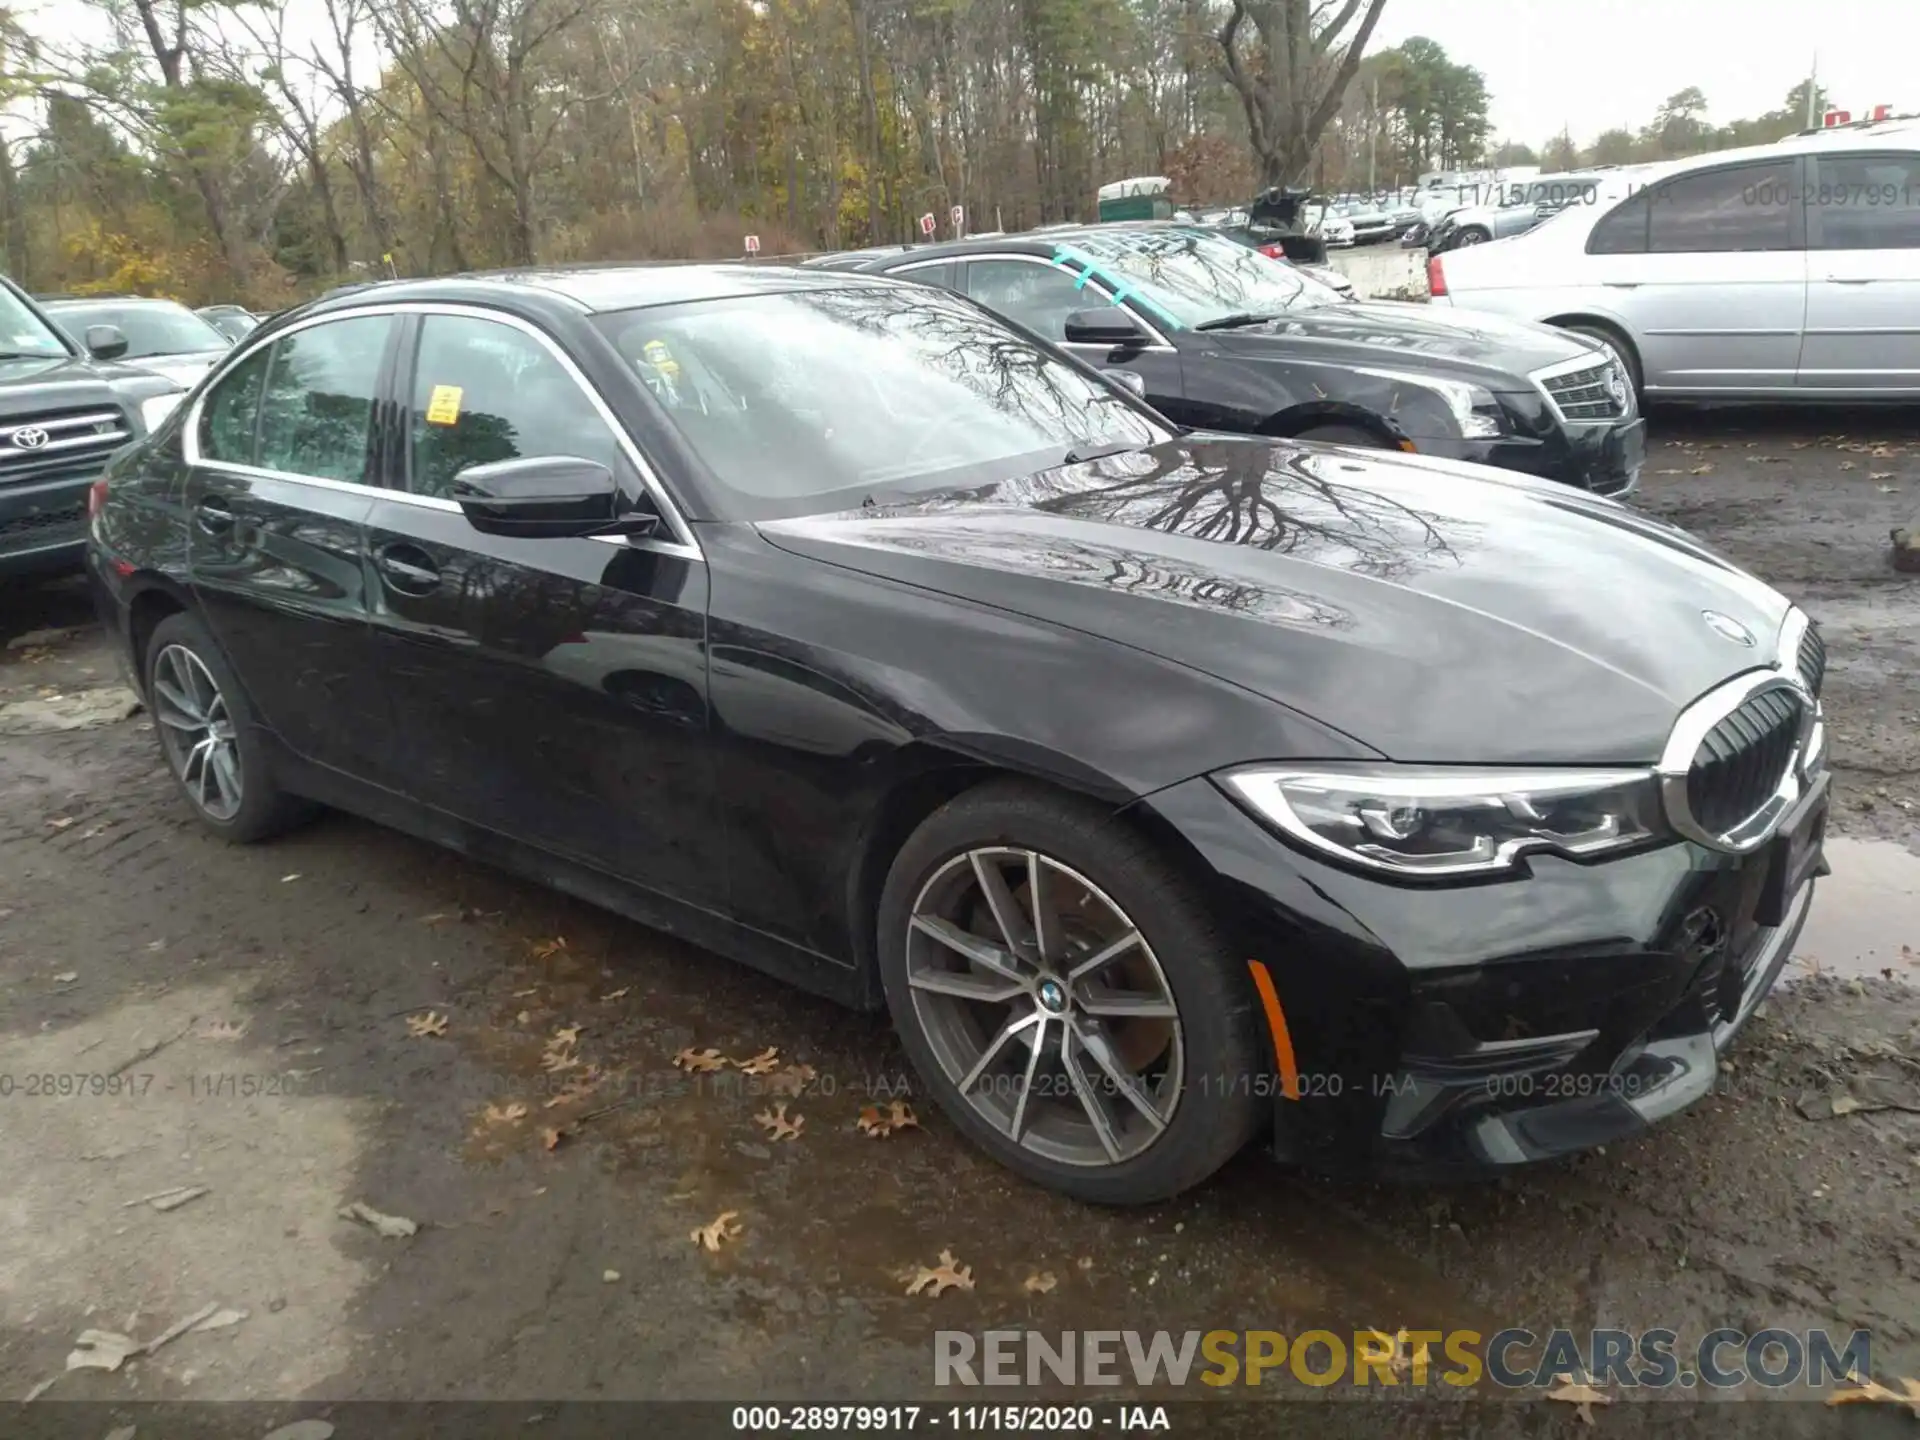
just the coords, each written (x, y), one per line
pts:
(1373, 135)
(1813, 86)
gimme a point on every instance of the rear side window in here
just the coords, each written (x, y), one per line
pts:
(1866, 202)
(1743, 207)
(317, 405)
(1623, 230)
(228, 419)
(1037, 295)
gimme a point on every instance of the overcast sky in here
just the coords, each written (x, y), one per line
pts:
(1602, 63)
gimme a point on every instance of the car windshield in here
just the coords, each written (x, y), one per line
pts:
(812, 401)
(1191, 277)
(23, 335)
(152, 327)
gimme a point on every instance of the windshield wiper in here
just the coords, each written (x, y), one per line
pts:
(1235, 321)
(1098, 450)
(27, 355)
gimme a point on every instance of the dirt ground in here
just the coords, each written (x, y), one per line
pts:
(252, 1008)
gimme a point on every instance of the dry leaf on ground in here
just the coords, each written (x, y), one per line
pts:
(505, 1114)
(1848, 465)
(428, 1023)
(547, 949)
(551, 1137)
(1872, 1391)
(1701, 470)
(222, 1030)
(881, 1123)
(699, 1062)
(1880, 474)
(765, 1063)
(1039, 1284)
(578, 1088)
(616, 994)
(792, 1080)
(1583, 1397)
(388, 1227)
(779, 1125)
(566, 1035)
(949, 1274)
(726, 1226)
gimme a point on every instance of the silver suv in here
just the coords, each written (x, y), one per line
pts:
(1782, 272)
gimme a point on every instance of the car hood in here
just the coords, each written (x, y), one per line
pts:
(1431, 610)
(1487, 348)
(62, 382)
(184, 370)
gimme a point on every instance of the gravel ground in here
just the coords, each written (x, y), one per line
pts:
(253, 1008)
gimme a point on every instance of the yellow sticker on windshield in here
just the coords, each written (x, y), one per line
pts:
(660, 357)
(444, 406)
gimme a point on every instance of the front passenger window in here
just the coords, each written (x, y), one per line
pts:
(317, 406)
(227, 420)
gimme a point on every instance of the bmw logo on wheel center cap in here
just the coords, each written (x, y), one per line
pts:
(1053, 996)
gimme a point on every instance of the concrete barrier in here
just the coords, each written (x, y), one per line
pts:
(1383, 272)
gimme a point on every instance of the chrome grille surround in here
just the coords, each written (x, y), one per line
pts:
(1579, 393)
(1724, 711)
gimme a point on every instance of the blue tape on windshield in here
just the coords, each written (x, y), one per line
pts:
(1091, 269)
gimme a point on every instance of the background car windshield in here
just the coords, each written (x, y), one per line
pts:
(812, 401)
(21, 331)
(1195, 277)
(151, 328)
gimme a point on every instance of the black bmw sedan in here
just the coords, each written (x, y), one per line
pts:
(1162, 788)
(1222, 337)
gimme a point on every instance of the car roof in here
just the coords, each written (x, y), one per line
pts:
(119, 302)
(1041, 242)
(595, 289)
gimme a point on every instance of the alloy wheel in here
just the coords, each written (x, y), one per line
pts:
(197, 732)
(1045, 1006)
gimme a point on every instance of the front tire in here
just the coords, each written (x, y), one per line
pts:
(1343, 435)
(1101, 1042)
(1473, 235)
(210, 738)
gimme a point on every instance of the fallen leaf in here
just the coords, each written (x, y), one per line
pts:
(66, 977)
(179, 1327)
(607, 1277)
(100, 1350)
(1701, 470)
(554, 1061)
(949, 1274)
(1040, 1284)
(1880, 474)
(1848, 465)
(289, 879)
(779, 1126)
(61, 822)
(551, 1137)
(387, 1227)
(578, 1088)
(1583, 1397)
(164, 1200)
(302, 1430)
(881, 1123)
(438, 917)
(1669, 472)
(767, 1061)
(699, 1062)
(1873, 1391)
(428, 1023)
(222, 1030)
(792, 1080)
(726, 1226)
(569, 1035)
(901, 1117)
(1802, 444)
(505, 1114)
(221, 1320)
(547, 949)
(619, 994)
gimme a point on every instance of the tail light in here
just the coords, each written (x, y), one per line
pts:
(96, 497)
(1436, 276)
(1273, 252)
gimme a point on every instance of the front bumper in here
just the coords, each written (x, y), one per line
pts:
(43, 526)
(1602, 458)
(1460, 1029)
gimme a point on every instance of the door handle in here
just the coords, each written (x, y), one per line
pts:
(1621, 284)
(408, 569)
(213, 516)
(1838, 280)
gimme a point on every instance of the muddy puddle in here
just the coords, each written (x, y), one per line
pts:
(1866, 915)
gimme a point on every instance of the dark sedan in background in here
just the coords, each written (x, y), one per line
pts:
(163, 336)
(1224, 338)
(1160, 787)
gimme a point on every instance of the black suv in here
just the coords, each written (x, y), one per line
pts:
(1220, 337)
(61, 415)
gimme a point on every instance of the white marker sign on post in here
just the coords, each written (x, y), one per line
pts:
(753, 244)
(927, 224)
(958, 216)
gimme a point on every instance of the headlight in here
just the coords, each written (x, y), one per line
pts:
(1474, 407)
(156, 408)
(1446, 822)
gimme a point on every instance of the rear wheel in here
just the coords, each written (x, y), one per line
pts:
(208, 735)
(1066, 997)
(1473, 235)
(1343, 435)
(1618, 350)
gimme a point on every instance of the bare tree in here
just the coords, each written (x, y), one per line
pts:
(1290, 62)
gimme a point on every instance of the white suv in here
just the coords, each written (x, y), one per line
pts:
(1786, 271)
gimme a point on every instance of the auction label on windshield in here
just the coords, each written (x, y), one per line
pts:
(443, 407)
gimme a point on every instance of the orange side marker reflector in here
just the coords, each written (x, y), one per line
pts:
(1277, 1027)
(1409, 447)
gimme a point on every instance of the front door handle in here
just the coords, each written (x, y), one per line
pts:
(1839, 280)
(408, 569)
(212, 515)
(1621, 284)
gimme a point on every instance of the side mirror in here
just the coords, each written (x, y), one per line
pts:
(1127, 380)
(106, 342)
(539, 495)
(1110, 326)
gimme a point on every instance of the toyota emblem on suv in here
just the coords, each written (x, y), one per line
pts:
(29, 437)
(1727, 627)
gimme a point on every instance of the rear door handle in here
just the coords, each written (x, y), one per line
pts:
(1621, 284)
(408, 569)
(1838, 280)
(213, 516)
